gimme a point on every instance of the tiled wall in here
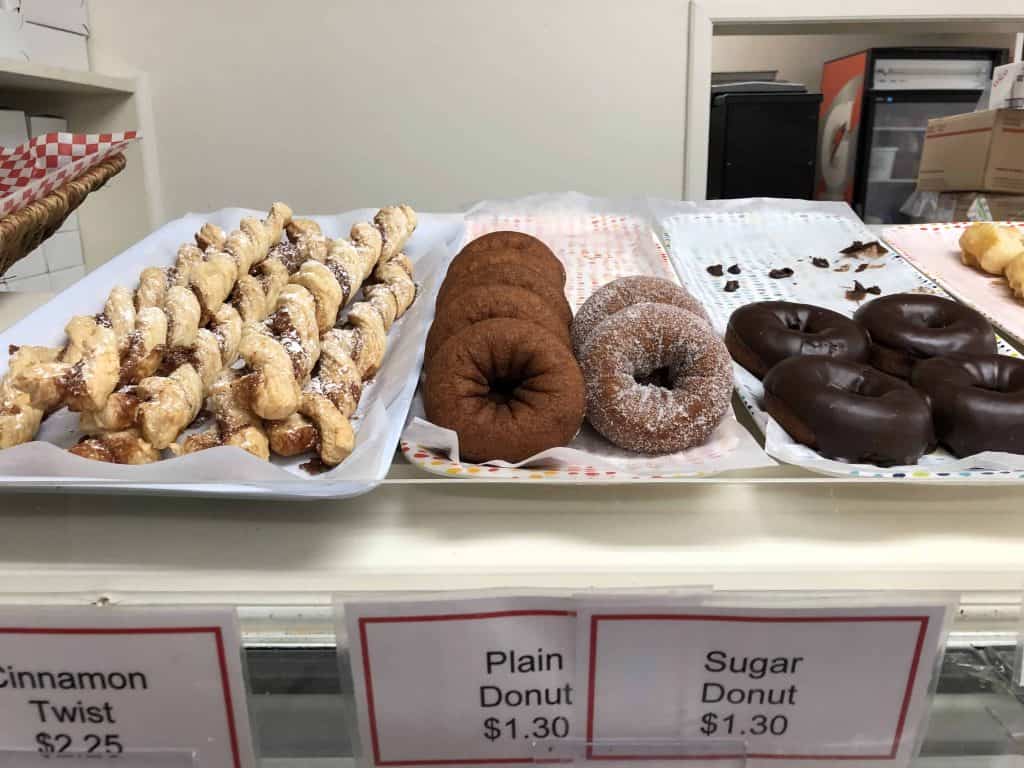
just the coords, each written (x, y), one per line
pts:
(51, 267)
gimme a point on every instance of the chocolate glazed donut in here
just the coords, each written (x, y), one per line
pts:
(761, 334)
(905, 328)
(849, 411)
(508, 248)
(977, 402)
(507, 387)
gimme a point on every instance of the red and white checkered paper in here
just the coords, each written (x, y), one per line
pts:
(37, 167)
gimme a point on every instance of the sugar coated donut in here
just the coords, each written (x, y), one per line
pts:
(508, 388)
(624, 292)
(658, 378)
(508, 248)
(484, 302)
(509, 274)
(977, 402)
(907, 327)
(849, 411)
(761, 334)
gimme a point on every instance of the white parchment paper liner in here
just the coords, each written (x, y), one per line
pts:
(382, 410)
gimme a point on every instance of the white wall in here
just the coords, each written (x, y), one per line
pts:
(334, 104)
(799, 57)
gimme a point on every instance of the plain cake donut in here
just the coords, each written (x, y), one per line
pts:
(624, 292)
(508, 274)
(977, 402)
(508, 388)
(764, 333)
(489, 301)
(508, 247)
(658, 379)
(849, 411)
(907, 327)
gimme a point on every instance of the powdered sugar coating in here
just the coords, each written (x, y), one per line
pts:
(625, 292)
(646, 418)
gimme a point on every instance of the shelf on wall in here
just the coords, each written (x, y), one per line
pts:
(28, 76)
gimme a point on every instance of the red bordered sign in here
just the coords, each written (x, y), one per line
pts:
(923, 623)
(173, 675)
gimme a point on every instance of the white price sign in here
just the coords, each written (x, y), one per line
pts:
(160, 687)
(462, 681)
(822, 686)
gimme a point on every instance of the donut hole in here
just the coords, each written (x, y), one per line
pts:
(663, 377)
(503, 389)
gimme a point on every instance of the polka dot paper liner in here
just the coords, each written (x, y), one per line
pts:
(438, 463)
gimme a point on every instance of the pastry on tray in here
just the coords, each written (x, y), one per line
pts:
(499, 370)
(991, 247)
(244, 324)
(910, 371)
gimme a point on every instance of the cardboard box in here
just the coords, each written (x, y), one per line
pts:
(68, 15)
(13, 128)
(987, 206)
(63, 250)
(12, 37)
(979, 151)
(1007, 87)
(55, 47)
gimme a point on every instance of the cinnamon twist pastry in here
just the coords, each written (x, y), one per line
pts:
(165, 313)
(176, 400)
(350, 355)
(161, 406)
(332, 274)
(236, 424)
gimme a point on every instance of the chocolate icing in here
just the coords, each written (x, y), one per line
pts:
(907, 327)
(849, 411)
(977, 402)
(761, 334)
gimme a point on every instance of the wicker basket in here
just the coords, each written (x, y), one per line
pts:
(21, 232)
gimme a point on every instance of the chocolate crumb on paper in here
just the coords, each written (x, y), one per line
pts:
(858, 293)
(734, 269)
(732, 285)
(856, 249)
(715, 270)
(861, 267)
(842, 268)
(820, 262)
(778, 274)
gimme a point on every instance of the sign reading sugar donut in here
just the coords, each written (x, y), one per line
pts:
(152, 688)
(823, 686)
(462, 681)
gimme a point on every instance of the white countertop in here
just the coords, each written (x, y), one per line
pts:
(415, 532)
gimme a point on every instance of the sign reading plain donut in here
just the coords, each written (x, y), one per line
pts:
(822, 686)
(141, 688)
(450, 682)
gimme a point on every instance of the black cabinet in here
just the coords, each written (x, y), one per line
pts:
(763, 145)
